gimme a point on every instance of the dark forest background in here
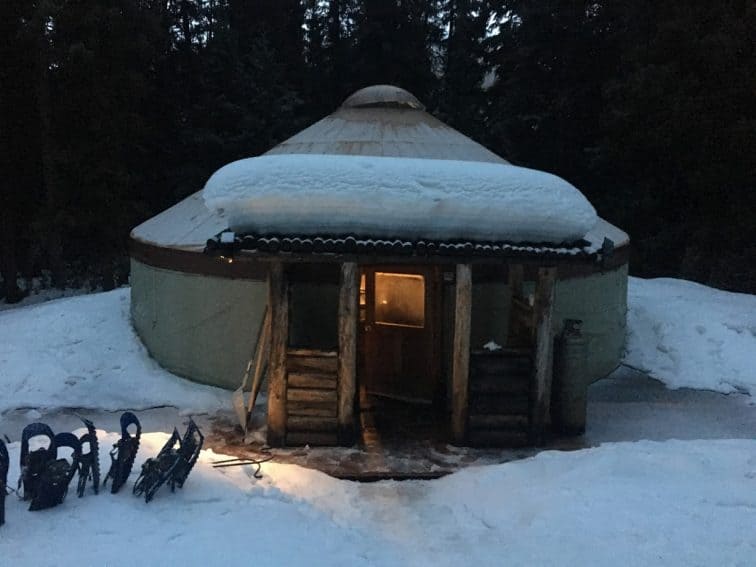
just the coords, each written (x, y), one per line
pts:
(112, 110)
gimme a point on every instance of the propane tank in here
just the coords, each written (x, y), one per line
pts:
(571, 388)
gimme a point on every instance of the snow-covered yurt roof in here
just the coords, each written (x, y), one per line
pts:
(396, 197)
(380, 121)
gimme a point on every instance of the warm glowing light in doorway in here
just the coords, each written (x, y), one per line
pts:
(400, 299)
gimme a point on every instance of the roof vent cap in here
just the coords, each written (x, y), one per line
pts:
(383, 96)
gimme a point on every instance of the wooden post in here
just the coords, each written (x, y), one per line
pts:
(461, 356)
(278, 305)
(543, 363)
(347, 369)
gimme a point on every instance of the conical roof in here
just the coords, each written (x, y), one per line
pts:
(387, 121)
(380, 120)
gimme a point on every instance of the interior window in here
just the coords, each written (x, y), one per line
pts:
(400, 299)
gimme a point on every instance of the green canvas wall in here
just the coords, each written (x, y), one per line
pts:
(200, 327)
(205, 328)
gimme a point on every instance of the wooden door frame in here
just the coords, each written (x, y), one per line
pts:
(433, 316)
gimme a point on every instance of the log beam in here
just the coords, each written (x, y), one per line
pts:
(278, 305)
(461, 355)
(543, 367)
(347, 366)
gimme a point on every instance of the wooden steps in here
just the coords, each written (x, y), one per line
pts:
(311, 398)
(499, 410)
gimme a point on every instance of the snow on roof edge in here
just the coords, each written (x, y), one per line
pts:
(398, 197)
(187, 224)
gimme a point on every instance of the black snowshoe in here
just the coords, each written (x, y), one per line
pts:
(124, 452)
(57, 474)
(89, 463)
(34, 463)
(172, 464)
(4, 464)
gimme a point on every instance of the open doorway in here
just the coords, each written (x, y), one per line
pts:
(401, 393)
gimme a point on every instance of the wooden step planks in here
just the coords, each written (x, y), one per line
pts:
(500, 398)
(312, 380)
(312, 398)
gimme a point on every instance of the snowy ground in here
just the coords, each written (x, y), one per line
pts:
(689, 335)
(671, 480)
(81, 352)
(38, 295)
(645, 503)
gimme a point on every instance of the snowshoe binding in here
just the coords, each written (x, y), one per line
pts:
(172, 464)
(89, 463)
(33, 463)
(124, 452)
(57, 474)
(4, 464)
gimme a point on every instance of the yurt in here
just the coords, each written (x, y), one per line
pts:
(404, 277)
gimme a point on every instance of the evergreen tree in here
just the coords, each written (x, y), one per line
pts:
(396, 42)
(680, 136)
(551, 60)
(112, 110)
(462, 100)
(20, 157)
(101, 84)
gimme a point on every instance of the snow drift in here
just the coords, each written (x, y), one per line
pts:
(689, 335)
(398, 197)
(83, 353)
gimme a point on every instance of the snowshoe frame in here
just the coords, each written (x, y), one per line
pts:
(123, 453)
(89, 463)
(55, 478)
(172, 464)
(4, 465)
(33, 463)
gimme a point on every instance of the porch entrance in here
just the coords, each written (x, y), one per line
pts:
(399, 372)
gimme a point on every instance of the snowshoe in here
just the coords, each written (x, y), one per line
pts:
(191, 445)
(57, 474)
(4, 464)
(172, 464)
(123, 454)
(33, 463)
(157, 470)
(89, 463)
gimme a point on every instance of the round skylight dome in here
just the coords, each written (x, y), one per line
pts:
(383, 96)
